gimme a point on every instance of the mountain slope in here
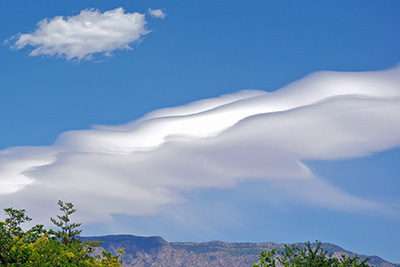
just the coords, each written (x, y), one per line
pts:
(155, 251)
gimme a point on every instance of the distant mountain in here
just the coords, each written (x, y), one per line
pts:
(156, 251)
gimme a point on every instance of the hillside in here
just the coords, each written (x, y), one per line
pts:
(156, 251)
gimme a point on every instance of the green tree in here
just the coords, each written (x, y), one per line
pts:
(40, 247)
(306, 256)
(68, 230)
(14, 241)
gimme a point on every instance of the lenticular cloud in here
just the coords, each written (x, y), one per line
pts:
(143, 166)
(88, 33)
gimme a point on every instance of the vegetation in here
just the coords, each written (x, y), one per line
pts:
(40, 247)
(306, 256)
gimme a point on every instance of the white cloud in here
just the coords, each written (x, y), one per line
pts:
(143, 166)
(156, 13)
(82, 36)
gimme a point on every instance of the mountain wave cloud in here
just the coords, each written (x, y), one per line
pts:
(141, 167)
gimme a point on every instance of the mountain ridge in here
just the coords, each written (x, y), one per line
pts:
(156, 251)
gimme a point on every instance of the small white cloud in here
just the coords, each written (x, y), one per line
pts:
(81, 36)
(157, 13)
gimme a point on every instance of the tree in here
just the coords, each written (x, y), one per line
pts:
(14, 241)
(68, 230)
(306, 256)
(40, 247)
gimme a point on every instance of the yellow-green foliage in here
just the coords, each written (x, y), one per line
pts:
(40, 247)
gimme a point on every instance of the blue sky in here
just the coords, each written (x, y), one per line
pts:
(313, 159)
